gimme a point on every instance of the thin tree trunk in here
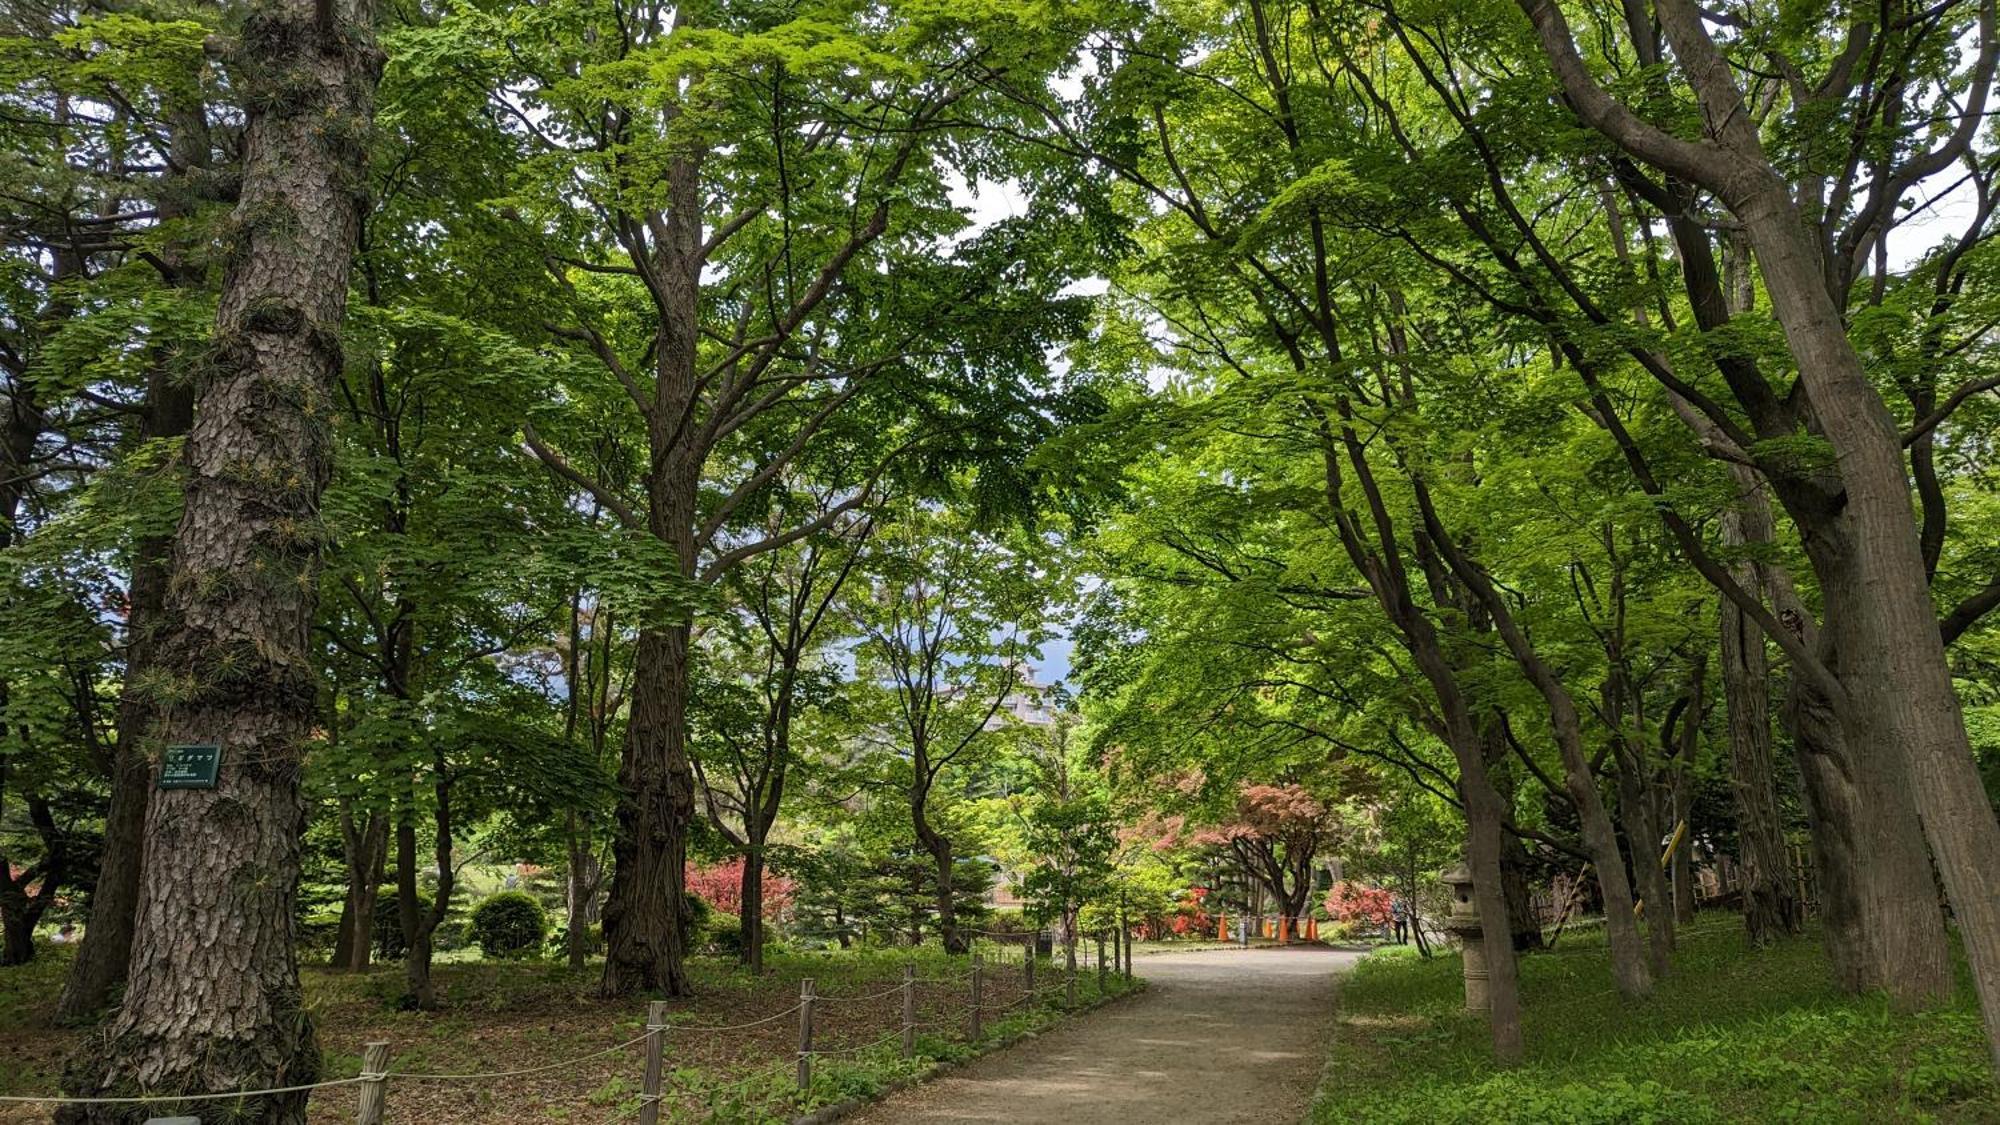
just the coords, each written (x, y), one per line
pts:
(106, 950)
(1514, 859)
(1642, 830)
(20, 909)
(213, 1000)
(582, 877)
(18, 945)
(1388, 579)
(1628, 954)
(750, 911)
(420, 925)
(1636, 775)
(366, 862)
(939, 847)
(1521, 914)
(1770, 908)
(1680, 811)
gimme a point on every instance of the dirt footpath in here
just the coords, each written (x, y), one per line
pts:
(1217, 1036)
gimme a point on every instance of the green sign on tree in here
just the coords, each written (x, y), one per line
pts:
(190, 767)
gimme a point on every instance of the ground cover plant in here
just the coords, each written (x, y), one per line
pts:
(1729, 1036)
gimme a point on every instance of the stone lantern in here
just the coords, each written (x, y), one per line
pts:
(1464, 924)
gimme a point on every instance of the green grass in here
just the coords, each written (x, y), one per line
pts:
(1729, 1035)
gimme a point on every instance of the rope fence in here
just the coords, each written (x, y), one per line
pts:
(955, 1006)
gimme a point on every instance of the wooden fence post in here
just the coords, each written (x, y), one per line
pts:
(978, 968)
(1100, 962)
(656, 1056)
(374, 1084)
(805, 1032)
(1028, 966)
(909, 1009)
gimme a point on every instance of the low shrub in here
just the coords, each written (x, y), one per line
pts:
(1008, 922)
(509, 924)
(722, 935)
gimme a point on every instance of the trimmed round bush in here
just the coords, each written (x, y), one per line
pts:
(509, 924)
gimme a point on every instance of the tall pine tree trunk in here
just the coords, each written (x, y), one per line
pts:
(212, 1000)
(644, 940)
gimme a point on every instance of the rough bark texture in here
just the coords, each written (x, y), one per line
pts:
(212, 1000)
(644, 946)
(1879, 912)
(643, 943)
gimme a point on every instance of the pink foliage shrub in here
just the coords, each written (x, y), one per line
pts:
(1353, 902)
(721, 886)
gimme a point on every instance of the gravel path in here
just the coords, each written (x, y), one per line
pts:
(1217, 1036)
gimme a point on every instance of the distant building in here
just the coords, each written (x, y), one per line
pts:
(1029, 704)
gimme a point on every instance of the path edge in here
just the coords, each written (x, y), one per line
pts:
(838, 1110)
